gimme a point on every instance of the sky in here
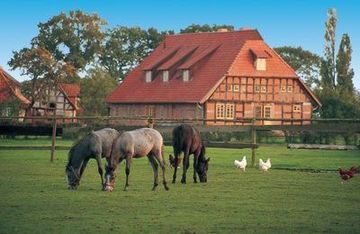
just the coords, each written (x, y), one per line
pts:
(280, 22)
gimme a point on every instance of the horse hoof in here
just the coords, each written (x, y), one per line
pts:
(183, 181)
(166, 188)
(109, 188)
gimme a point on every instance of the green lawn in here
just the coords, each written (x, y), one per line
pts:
(35, 199)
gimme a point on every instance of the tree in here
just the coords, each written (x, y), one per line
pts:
(344, 72)
(194, 28)
(95, 87)
(74, 38)
(306, 64)
(328, 69)
(124, 48)
(44, 70)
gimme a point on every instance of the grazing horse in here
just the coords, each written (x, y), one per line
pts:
(187, 139)
(135, 144)
(96, 144)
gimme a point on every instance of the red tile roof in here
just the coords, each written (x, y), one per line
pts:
(10, 87)
(217, 54)
(72, 91)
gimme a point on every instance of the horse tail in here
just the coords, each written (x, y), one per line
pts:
(177, 136)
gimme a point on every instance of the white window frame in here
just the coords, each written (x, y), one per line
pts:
(236, 88)
(225, 111)
(297, 108)
(260, 64)
(166, 75)
(148, 76)
(265, 111)
(186, 75)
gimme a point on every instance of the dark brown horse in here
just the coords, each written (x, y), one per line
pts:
(187, 139)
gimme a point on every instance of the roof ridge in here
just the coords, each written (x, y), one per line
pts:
(214, 32)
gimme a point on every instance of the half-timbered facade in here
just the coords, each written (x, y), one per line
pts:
(64, 101)
(218, 76)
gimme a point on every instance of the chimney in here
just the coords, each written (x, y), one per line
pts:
(222, 30)
(245, 28)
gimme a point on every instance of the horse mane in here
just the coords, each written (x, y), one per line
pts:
(74, 146)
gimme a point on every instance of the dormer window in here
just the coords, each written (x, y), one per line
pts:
(166, 75)
(260, 64)
(260, 56)
(186, 75)
(148, 76)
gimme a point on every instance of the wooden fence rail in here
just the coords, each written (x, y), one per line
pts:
(52, 126)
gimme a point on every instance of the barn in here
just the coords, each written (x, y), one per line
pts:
(218, 76)
(12, 101)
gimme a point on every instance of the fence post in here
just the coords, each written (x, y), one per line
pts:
(253, 136)
(53, 142)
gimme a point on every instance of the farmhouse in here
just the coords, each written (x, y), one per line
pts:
(12, 102)
(218, 76)
(65, 101)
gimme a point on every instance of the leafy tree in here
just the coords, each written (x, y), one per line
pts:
(95, 87)
(194, 28)
(328, 71)
(44, 70)
(74, 38)
(124, 48)
(344, 72)
(306, 64)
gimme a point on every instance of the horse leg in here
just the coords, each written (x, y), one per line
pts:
(195, 165)
(154, 166)
(185, 166)
(177, 154)
(83, 166)
(127, 171)
(160, 159)
(100, 170)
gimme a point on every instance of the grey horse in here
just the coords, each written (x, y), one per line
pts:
(134, 144)
(96, 144)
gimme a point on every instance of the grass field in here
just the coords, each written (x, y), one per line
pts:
(35, 199)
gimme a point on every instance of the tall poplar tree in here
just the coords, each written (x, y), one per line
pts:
(345, 73)
(328, 69)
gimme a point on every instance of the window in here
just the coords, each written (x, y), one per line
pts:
(257, 88)
(166, 76)
(52, 105)
(296, 108)
(267, 111)
(186, 75)
(283, 88)
(236, 88)
(220, 111)
(289, 89)
(260, 64)
(258, 111)
(230, 111)
(225, 111)
(148, 76)
(263, 89)
(230, 87)
(6, 111)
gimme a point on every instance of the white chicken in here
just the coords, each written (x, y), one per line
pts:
(264, 166)
(241, 164)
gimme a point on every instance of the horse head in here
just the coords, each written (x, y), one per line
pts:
(73, 176)
(202, 168)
